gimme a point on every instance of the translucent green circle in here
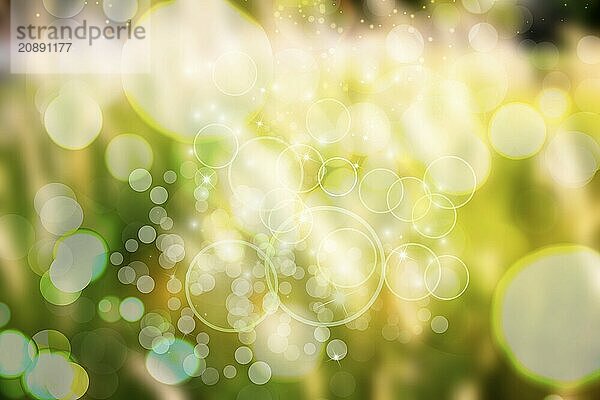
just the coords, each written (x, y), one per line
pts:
(216, 145)
(52, 340)
(159, 195)
(16, 353)
(79, 259)
(140, 180)
(4, 314)
(126, 153)
(16, 237)
(168, 367)
(54, 295)
(108, 309)
(517, 131)
(259, 373)
(131, 309)
(81, 128)
(49, 377)
(545, 315)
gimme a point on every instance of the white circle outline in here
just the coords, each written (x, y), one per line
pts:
(432, 292)
(364, 203)
(235, 139)
(471, 192)
(322, 172)
(347, 129)
(430, 196)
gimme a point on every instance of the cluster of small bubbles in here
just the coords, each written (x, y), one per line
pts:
(229, 290)
(329, 280)
(172, 248)
(247, 293)
(71, 261)
(132, 272)
(156, 332)
(235, 266)
(286, 345)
